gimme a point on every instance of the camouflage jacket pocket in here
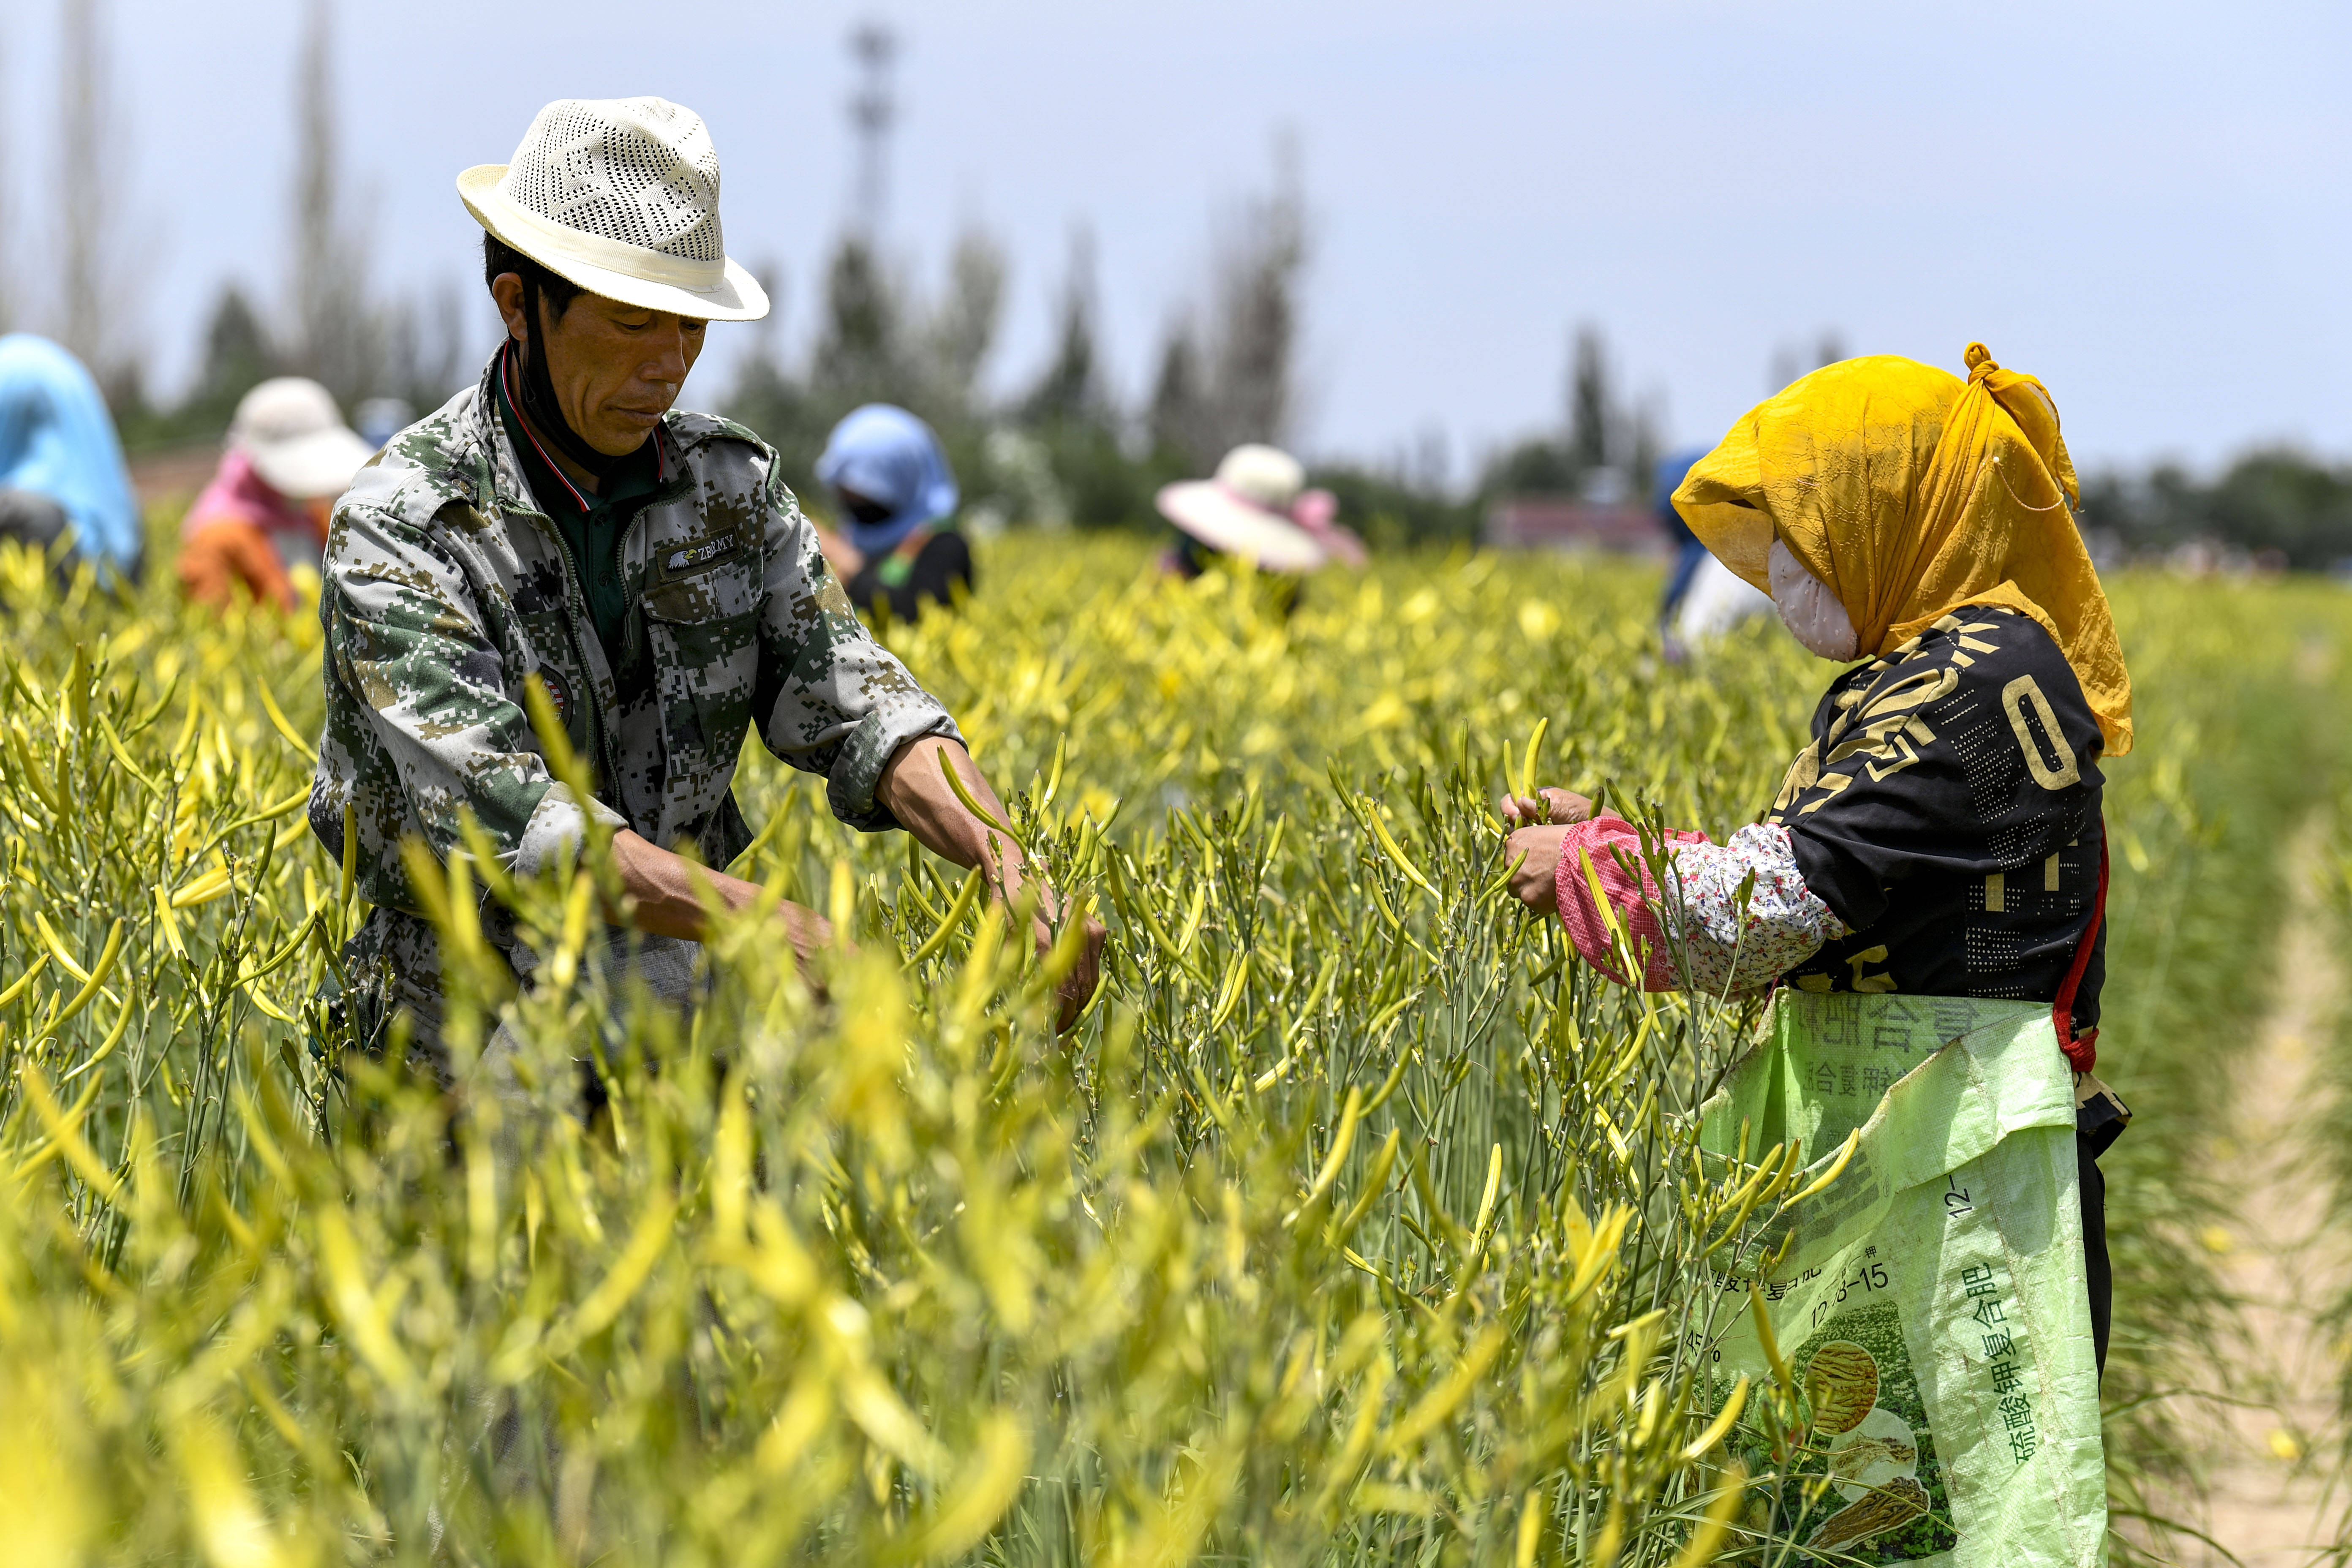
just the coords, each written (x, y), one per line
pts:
(704, 629)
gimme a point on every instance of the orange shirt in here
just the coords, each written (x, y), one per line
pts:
(239, 531)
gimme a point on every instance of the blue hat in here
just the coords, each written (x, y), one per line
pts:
(890, 458)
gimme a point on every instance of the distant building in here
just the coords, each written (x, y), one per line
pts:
(1557, 522)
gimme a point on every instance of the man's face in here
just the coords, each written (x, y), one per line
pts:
(616, 368)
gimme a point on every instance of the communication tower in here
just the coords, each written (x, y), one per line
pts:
(873, 114)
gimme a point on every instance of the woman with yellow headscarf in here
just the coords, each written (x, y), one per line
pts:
(1940, 836)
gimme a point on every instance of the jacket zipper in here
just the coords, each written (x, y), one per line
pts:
(573, 595)
(633, 635)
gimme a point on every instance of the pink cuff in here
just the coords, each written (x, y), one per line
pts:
(1615, 848)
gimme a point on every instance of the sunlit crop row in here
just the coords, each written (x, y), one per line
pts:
(1356, 1222)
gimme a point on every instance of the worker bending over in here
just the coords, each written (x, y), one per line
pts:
(562, 520)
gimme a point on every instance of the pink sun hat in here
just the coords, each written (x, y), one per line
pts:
(1257, 506)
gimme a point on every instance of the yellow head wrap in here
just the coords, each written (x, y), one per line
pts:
(1912, 493)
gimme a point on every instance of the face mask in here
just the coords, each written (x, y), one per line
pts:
(1809, 609)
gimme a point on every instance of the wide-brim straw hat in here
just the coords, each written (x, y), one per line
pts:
(1245, 510)
(620, 196)
(290, 430)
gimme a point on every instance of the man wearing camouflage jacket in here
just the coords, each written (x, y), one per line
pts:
(560, 519)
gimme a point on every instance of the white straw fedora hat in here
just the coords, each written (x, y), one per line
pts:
(1246, 509)
(620, 196)
(290, 430)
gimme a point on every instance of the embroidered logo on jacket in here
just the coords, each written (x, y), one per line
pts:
(702, 555)
(559, 692)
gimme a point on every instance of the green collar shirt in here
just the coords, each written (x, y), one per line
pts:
(593, 526)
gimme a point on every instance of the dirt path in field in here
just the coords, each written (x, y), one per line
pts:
(2283, 1254)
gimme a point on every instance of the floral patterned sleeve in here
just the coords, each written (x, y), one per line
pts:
(1738, 953)
(1730, 952)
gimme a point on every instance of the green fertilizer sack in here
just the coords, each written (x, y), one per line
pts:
(1931, 1306)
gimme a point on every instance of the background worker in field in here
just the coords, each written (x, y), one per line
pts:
(1940, 836)
(1705, 600)
(897, 546)
(61, 470)
(290, 454)
(561, 519)
(1256, 509)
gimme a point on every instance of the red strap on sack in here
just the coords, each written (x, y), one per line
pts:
(2082, 1049)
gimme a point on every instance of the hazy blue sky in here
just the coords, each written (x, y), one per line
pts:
(2144, 203)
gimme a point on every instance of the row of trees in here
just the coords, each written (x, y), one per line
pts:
(2279, 506)
(334, 326)
(1060, 447)
(1606, 448)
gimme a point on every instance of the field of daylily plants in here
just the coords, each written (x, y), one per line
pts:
(1357, 1221)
